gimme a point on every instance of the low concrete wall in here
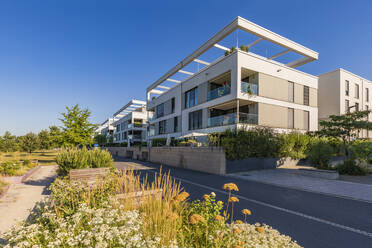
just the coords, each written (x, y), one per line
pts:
(248, 164)
(327, 174)
(205, 159)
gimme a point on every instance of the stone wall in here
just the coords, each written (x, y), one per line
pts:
(206, 159)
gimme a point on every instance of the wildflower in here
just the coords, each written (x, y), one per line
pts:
(220, 203)
(182, 197)
(233, 199)
(230, 186)
(239, 222)
(206, 197)
(213, 194)
(237, 231)
(246, 212)
(196, 218)
(260, 229)
(218, 217)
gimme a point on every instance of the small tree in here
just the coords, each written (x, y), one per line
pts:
(44, 139)
(29, 142)
(77, 129)
(9, 142)
(345, 127)
(55, 136)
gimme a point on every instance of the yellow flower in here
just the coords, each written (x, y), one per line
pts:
(246, 212)
(230, 186)
(233, 199)
(206, 197)
(237, 231)
(182, 197)
(196, 218)
(220, 203)
(260, 229)
(239, 222)
(218, 217)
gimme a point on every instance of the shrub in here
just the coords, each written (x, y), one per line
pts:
(349, 167)
(159, 142)
(320, 155)
(295, 145)
(361, 150)
(11, 168)
(83, 158)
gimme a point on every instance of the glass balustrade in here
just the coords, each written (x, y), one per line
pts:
(249, 88)
(218, 92)
(229, 119)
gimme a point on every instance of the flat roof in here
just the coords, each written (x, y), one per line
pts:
(128, 108)
(247, 26)
(346, 71)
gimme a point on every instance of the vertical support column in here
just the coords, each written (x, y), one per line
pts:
(237, 111)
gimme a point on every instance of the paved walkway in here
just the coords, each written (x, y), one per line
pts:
(285, 178)
(15, 206)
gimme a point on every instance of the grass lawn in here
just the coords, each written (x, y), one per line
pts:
(44, 157)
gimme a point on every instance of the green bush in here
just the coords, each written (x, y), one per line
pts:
(83, 158)
(10, 168)
(27, 163)
(159, 142)
(349, 167)
(361, 150)
(320, 155)
(295, 145)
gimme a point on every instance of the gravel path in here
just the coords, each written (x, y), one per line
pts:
(15, 206)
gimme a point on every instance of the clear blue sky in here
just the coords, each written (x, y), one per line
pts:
(101, 54)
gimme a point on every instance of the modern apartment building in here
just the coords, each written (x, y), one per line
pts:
(341, 91)
(238, 89)
(106, 128)
(130, 123)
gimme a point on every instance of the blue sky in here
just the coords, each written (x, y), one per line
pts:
(101, 54)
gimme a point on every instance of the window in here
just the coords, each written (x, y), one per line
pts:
(356, 107)
(367, 95)
(347, 105)
(195, 120)
(290, 118)
(160, 110)
(290, 91)
(118, 128)
(357, 91)
(347, 87)
(306, 95)
(306, 120)
(162, 126)
(175, 124)
(191, 98)
(367, 108)
(173, 100)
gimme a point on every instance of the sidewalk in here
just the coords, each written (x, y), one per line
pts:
(285, 178)
(15, 206)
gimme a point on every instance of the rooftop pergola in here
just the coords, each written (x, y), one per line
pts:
(239, 23)
(128, 108)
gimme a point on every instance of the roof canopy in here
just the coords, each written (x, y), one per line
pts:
(128, 108)
(262, 34)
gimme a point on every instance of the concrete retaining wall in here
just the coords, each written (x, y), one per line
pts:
(248, 164)
(205, 159)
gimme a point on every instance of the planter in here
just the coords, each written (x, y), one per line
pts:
(23, 178)
(88, 175)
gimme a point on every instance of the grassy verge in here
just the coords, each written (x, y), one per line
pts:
(3, 185)
(44, 157)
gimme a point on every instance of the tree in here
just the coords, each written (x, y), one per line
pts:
(77, 129)
(30, 142)
(9, 142)
(44, 139)
(345, 127)
(55, 136)
(100, 139)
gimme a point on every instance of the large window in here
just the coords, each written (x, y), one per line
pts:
(290, 118)
(306, 120)
(162, 126)
(195, 120)
(347, 87)
(357, 91)
(191, 98)
(356, 107)
(175, 124)
(173, 101)
(290, 91)
(347, 105)
(118, 128)
(160, 110)
(367, 95)
(306, 95)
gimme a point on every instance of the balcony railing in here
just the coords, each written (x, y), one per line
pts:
(229, 119)
(249, 88)
(218, 92)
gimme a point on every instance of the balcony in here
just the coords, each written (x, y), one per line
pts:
(218, 92)
(230, 119)
(250, 88)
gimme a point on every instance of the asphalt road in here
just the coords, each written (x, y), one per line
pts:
(313, 220)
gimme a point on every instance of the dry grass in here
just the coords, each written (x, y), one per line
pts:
(3, 185)
(44, 157)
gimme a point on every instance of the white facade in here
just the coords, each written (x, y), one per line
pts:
(239, 89)
(340, 91)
